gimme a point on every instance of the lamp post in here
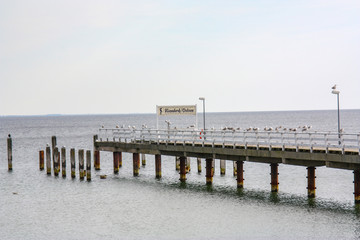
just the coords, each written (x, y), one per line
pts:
(337, 92)
(203, 99)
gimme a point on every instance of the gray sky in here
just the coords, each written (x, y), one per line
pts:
(76, 57)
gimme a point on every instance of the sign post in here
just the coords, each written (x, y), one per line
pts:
(175, 110)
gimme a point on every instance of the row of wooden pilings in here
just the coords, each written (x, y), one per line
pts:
(182, 165)
(58, 157)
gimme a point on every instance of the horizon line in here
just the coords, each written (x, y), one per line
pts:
(199, 112)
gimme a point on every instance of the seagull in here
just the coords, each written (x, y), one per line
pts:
(334, 87)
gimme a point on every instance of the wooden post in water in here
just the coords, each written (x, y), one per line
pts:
(116, 156)
(56, 161)
(182, 164)
(209, 170)
(158, 166)
(9, 152)
(143, 159)
(41, 160)
(136, 161)
(222, 167)
(177, 163)
(240, 173)
(88, 165)
(81, 164)
(48, 160)
(235, 167)
(63, 161)
(311, 182)
(188, 165)
(96, 155)
(199, 164)
(357, 186)
(72, 160)
(274, 177)
(53, 145)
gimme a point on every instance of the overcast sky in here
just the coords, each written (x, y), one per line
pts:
(81, 57)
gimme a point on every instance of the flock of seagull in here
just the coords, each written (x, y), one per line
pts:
(269, 129)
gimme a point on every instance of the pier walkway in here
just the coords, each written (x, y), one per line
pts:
(308, 149)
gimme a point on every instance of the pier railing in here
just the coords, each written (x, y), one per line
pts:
(258, 139)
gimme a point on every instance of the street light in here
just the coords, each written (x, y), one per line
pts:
(203, 99)
(337, 92)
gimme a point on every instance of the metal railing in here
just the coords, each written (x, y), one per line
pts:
(258, 139)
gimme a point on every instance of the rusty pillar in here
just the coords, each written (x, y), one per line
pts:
(357, 186)
(182, 169)
(143, 159)
(9, 152)
(274, 177)
(222, 167)
(311, 181)
(72, 161)
(158, 166)
(97, 160)
(56, 161)
(116, 156)
(199, 164)
(188, 166)
(48, 160)
(88, 165)
(240, 174)
(136, 163)
(81, 163)
(63, 161)
(41, 160)
(209, 170)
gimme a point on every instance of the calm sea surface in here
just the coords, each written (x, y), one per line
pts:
(36, 206)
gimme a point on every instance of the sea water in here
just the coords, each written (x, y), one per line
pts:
(36, 206)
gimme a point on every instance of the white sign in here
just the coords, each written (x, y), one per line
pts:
(176, 110)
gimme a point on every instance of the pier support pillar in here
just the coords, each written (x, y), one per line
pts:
(274, 177)
(81, 164)
(72, 161)
(88, 165)
(143, 159)
(48, 160)
(158, 166)
(116, 156)
(235, 167)
(41, 160)
(9, 152)
(240, 174)
(136, 163)
(97, 160)
(311, 181)
(188, 166)
(209, 171)
(177, 163)
(96, 154)
(182, 164)
(357, 186)
(199, 164)
(63, 161)
(222, 167)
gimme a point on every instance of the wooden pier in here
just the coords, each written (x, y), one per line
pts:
(313, 151)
